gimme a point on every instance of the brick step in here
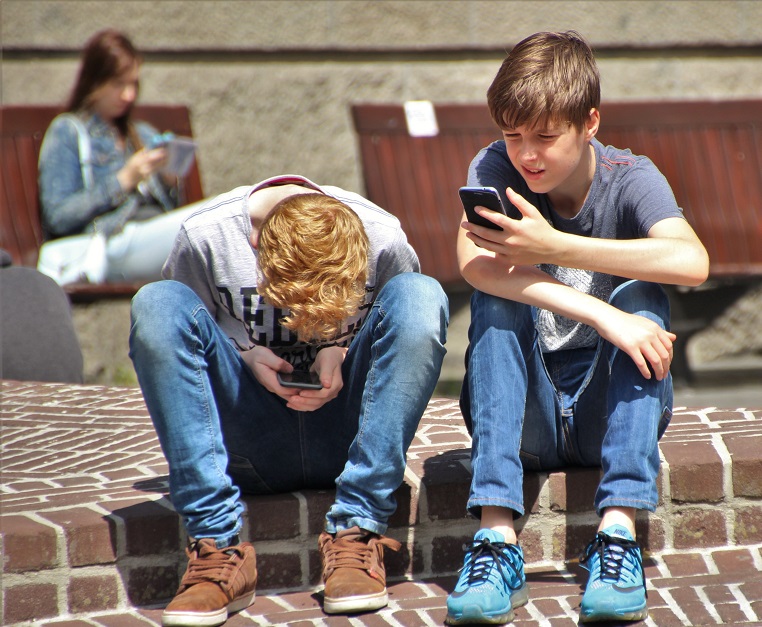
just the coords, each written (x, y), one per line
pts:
(720, 587)
(88, 530)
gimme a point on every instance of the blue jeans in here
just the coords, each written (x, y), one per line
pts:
(223, 433)
(138, 252)
(579, 407)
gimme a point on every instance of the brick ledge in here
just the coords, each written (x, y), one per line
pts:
(86, 520)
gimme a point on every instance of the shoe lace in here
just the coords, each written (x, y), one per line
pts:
(612, 552)
(207, 564)
(354, 551)
(483, 555)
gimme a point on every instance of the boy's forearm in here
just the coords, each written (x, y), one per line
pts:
(493, 274)
(531, 286)
(672, 256)
(674, 260)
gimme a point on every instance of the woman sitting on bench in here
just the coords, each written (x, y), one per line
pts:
(107, 195)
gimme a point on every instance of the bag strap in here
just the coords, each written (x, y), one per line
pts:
(85, 152)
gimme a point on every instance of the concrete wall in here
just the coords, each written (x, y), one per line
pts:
(270, 83)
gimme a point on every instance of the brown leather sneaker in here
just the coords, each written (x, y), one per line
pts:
(353, 570)
(216, 583)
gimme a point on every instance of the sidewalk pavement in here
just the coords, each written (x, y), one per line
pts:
(684, 588)
(89, 536)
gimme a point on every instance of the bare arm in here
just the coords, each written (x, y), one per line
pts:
(494, 274)
(672, 253)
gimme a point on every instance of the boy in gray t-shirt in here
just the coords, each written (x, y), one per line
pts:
(569, 346)
(266, 282)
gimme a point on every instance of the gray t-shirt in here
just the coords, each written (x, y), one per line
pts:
(213, 256)
(627, 197)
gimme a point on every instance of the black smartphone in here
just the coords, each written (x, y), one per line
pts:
(488, 197)
(307, 380)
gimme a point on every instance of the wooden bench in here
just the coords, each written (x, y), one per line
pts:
(710, 152)
(22, 128)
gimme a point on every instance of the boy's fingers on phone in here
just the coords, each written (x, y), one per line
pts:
(304, 402)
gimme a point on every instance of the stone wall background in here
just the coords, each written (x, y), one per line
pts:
(270, 83)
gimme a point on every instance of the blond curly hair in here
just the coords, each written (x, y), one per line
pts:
(313, 260)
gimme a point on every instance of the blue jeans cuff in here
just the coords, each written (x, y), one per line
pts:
(334, 526)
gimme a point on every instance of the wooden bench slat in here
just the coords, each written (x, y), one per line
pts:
(21, 230)
(714, 169)
(709, 151)
(417, 178)
(87, 292)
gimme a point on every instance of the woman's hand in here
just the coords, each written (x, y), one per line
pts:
(140, 166)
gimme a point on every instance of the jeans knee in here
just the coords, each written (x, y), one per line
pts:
(158, 294)
(157, 313)
(489, 311)
(643, 298)
(420, 289)
(418, 302)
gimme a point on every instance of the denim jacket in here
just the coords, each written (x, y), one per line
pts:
(67, 207)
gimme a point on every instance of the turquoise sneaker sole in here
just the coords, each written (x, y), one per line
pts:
(474, 615)
(601, 613)
(613, 604)
(599, 617)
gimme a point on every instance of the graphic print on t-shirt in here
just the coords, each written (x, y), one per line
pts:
(262, 323)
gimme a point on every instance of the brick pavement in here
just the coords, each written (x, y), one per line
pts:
(89, 535)
(686, 588)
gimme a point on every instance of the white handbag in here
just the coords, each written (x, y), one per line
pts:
(77, 258)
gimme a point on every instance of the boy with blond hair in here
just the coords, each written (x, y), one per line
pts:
(569, 345)
(286, 275)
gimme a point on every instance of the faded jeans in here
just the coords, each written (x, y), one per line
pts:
(223, 433)
(579, 407)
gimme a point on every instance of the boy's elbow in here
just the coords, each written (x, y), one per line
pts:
(482, 272)
(703, 275)
(472, 270)
(695, 280)
(469, 272)
(468, 262)
(698, 269)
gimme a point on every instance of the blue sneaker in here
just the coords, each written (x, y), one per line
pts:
(491, 582)
(616, 589)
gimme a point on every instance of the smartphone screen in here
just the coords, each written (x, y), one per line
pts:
(488, 197)
(300, 379)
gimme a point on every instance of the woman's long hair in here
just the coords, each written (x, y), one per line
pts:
(107, 55)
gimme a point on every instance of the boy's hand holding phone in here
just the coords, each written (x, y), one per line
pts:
(301, 379)
(327, 365)
(528, 241)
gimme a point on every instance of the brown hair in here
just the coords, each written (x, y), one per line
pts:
(313, 258)
(547, 77)
(107, 55)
